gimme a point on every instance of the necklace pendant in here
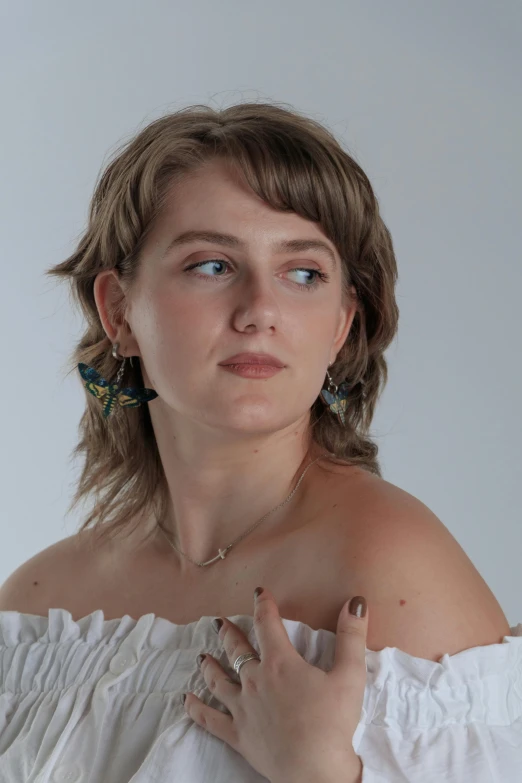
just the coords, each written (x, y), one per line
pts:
(222, 553)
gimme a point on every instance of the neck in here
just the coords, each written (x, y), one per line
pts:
(219, 490)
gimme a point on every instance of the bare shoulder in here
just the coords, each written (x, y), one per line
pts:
(425, 595)
(33, 586)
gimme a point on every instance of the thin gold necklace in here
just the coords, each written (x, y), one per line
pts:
(222, 552)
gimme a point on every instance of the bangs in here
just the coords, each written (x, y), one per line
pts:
(288, 171)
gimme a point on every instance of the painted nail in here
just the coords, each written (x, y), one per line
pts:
(257, 592)
(357, 606)
(199, 660)
(217, 623)
(183, 697)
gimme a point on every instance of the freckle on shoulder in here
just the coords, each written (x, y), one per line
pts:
(31, 586)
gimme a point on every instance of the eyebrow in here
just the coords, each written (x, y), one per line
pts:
(229, 240)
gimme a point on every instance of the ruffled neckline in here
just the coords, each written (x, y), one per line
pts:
(58, 626)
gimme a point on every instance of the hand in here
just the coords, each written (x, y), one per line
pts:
(289, 720)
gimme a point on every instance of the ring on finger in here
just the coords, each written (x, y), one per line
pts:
(242, 659)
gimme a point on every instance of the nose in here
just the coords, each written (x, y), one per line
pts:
(257, 304)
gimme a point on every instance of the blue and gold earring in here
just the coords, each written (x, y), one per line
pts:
(336, 398)
(110, 392)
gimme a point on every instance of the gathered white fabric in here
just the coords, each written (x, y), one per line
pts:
(98, 701)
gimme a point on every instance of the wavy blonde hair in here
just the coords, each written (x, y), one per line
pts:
(294, 164)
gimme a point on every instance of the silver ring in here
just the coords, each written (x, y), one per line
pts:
(241, 659)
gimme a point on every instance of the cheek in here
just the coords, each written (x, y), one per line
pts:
(165, 316)
(310, 336)
(173, 336)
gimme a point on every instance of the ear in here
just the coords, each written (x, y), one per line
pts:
(110, 300)
(347, 311)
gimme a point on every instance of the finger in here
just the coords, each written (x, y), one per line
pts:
(212, 720)
(350, 645)
(219, 683)
(235, 643)
(271, 634)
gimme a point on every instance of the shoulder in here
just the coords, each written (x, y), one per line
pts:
(425, 596)
(33, 586)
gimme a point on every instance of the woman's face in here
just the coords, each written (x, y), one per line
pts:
(246, 296)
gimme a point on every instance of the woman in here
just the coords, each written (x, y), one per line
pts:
(239, 257)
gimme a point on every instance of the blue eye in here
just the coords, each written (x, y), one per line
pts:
(319, 277)
(204, 263)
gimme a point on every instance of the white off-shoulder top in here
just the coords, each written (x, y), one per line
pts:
(98, 701)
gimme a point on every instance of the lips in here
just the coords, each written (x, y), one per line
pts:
(253, 358)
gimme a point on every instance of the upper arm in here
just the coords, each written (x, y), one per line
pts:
(30, 587)
(425, 596)
(13, 590)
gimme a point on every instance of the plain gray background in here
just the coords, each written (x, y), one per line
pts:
(426, 97)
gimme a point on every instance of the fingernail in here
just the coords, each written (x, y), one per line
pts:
(357, 606)
(257, 592)
(183, 697)
(217, 623)
(199, 660)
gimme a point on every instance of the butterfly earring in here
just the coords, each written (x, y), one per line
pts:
(336, 398)
(110, 392)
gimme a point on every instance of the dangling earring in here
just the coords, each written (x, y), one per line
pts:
(336, 398)
(110, 392)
